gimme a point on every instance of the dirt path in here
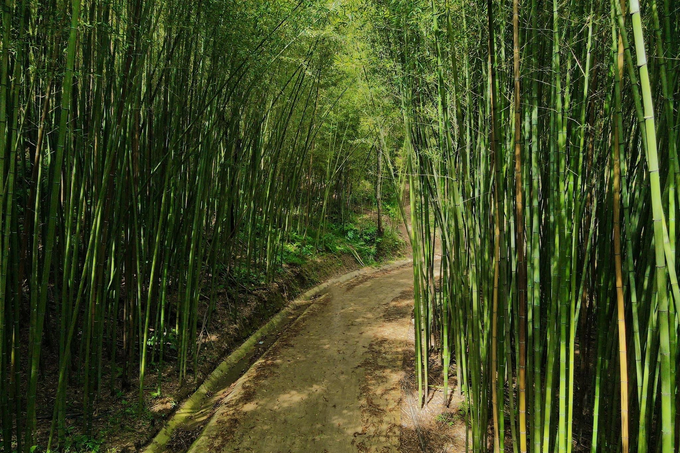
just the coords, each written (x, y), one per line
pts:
(331, 383)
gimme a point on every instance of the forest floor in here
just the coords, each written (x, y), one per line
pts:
(339, 379)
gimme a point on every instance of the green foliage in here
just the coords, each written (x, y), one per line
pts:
(156, 152)
(169, 337)
(77, 443)
(359, 237)
(393, 211)
(537, 146)
(297, 250)
(364, 194)
(446, 418)
(390, 243)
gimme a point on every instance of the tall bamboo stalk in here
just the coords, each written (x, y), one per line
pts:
(667, 418)
(617, 145)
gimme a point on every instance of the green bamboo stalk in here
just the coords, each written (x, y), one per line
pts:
(51, 226)
(519, 219)
(496, 159)
(667, 418)
(616, 148)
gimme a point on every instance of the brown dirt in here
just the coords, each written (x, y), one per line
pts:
(341, 379)
(331, 383)
(434, 428)
(439, 425)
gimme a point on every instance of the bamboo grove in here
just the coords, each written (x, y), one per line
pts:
(150, 150)
(541, 142)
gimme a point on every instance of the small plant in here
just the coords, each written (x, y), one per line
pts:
(169, 337)
(464, 409)
(79, 443)
(447, 418)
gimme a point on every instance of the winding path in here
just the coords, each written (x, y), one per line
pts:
(331, 382)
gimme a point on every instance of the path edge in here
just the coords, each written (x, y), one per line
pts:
(276, 324)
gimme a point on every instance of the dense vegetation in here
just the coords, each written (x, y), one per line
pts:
(152, 152)
(541, 141)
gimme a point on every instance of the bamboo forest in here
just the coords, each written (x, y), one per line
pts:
(339, 226)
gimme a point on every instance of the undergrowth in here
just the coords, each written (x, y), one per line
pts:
(359, 238)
